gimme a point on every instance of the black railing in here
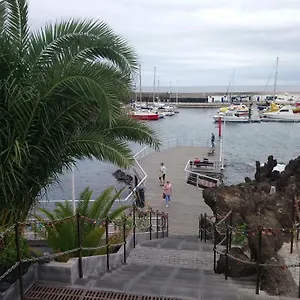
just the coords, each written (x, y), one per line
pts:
(224, 228)
(162, 225)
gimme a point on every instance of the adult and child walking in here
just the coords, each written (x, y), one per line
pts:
(167, 186)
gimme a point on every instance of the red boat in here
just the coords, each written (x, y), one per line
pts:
(144, 115)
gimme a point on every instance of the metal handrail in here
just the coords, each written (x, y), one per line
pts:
(138, 157)
(199, 176)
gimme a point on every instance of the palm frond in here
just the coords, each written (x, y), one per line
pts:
(61, 89)
(84, 200)
(108, 204)
(96, 210)
(17, 23)
(91, 40)
(2, 17)
(126, 128)
(118, 212)
(91, 144)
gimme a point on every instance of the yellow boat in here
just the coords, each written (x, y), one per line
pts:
(223, 109)
(272, 108)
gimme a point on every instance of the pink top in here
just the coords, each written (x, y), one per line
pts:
(168, 189)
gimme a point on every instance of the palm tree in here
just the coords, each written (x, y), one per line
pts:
(63, 235)
(61, 93)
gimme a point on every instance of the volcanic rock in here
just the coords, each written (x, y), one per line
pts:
(253, 206)
(122, 176)
(235, 268)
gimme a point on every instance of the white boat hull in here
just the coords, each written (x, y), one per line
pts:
(287, 118)
(284, 114)
(232, 119)
(169, 113)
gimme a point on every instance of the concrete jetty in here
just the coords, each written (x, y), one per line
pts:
(187, 202)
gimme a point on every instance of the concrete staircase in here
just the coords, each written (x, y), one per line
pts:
(177, 267)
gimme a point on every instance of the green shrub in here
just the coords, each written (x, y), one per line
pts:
(8, 252)
(63, 236)
(239, 238)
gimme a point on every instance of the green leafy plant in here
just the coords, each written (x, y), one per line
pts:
(8, 252)
(239, 238)
(62, 90)
(63, 235)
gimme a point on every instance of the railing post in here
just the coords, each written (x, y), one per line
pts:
(19, 258)
(199, 226)
(230, 232)
(79, 245)
(124, 241)
(205, 227)
(167, 215)
(162, 222)
(226, 253)
(258, 267)
(215, 246)
(157, 225)
(150, 224)
(134, 211)
(107, 245)
(202, 223)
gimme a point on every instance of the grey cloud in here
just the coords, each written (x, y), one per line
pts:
(197, 41)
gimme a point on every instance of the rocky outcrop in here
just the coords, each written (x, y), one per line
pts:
(122, 176)
(235, 269)
(254, 206)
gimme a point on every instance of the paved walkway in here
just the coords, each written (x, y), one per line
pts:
(179, 267)
(187, 202)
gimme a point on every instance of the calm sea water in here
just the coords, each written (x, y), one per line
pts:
(243, 145)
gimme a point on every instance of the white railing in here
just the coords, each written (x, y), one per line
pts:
(204, 180)
(140, 172)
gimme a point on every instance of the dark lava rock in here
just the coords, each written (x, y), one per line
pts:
(282, 282)
(254, 206)
(122, 176)
(236, 269)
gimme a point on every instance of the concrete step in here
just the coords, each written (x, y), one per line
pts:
(179, 267)
(169, 281)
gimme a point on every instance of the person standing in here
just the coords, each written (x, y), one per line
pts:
(168, 189)
(162, 175)
(212, 140)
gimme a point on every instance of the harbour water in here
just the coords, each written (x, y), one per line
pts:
(243, 144)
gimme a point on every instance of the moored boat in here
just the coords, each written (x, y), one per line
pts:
(231, 116)
(241, 110)
(144, 115)
(285, 113)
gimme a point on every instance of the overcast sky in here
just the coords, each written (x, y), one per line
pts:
(197, 42)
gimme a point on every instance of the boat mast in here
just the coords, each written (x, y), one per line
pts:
(154, 82)
(158, 89)
(170, 95)
(140, 82)
(275, 79)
